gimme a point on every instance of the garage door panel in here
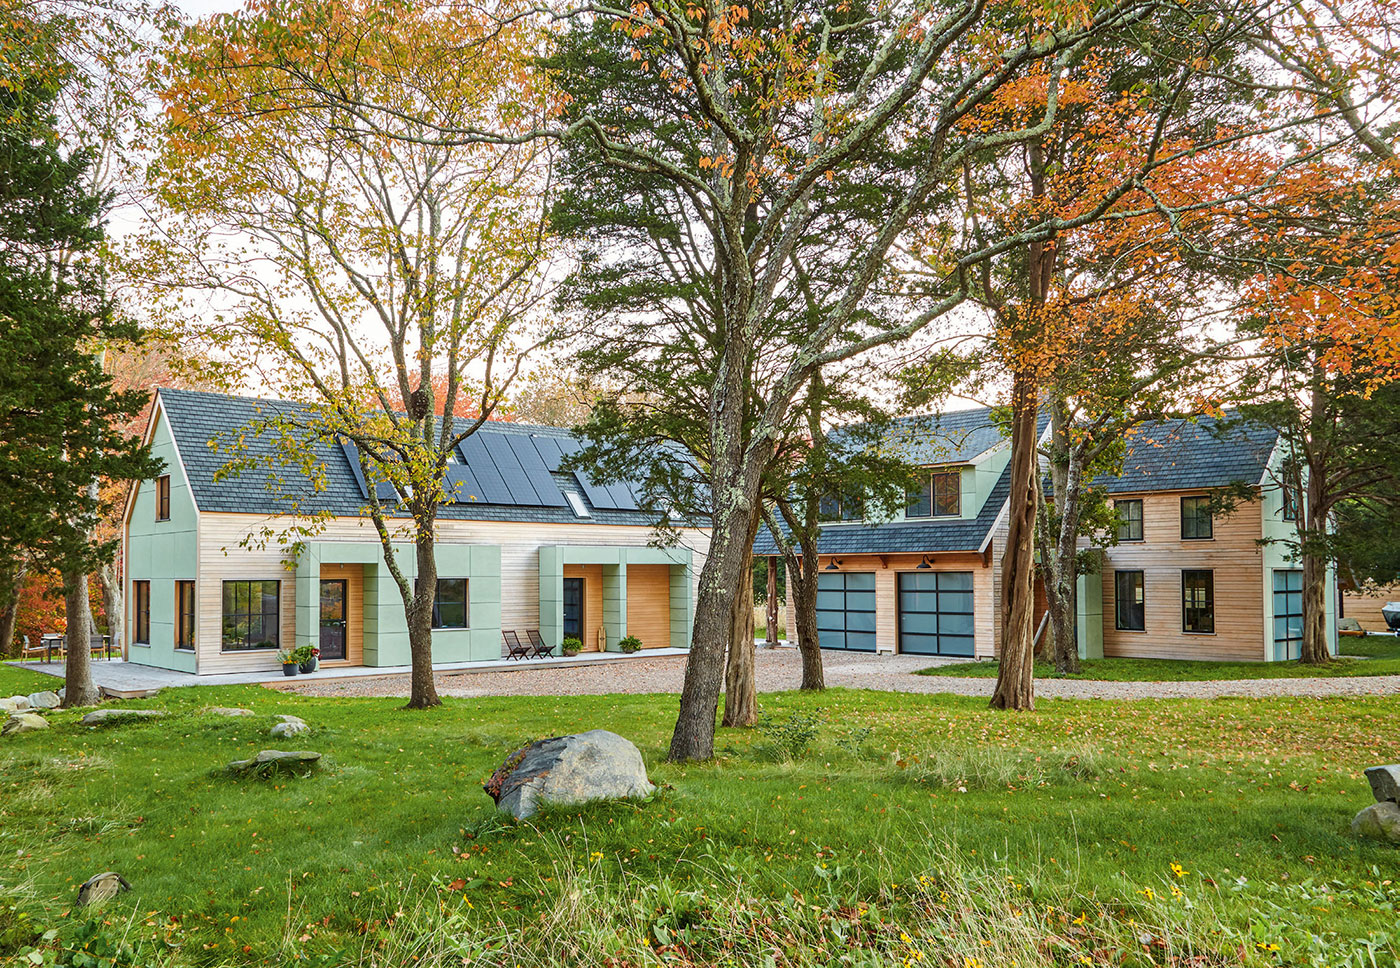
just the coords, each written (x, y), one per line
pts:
(935, 613)
(846, 610)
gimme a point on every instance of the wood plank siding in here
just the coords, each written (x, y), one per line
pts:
(592, 576)
(649, 605)
(1365, 604)
(1232, 554)
(221, 558)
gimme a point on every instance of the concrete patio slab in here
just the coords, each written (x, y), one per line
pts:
(126, 680)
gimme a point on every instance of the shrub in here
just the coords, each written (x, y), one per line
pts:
(629, 643)
(571, 645)
(790, 739)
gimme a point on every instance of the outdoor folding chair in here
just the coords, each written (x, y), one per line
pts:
(515, 649)
(538, 649)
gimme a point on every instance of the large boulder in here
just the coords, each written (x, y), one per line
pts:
(1385, 782)
(1379, 821)
(272, 762)
(23, 723)
(99, 717)
(15, 704)
(44, 700)
(596, 765)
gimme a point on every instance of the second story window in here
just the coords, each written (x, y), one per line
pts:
(163, 498)
(1196, 522)
(939, 497)
(1129, 519)
(1290, 503)
(843, 507)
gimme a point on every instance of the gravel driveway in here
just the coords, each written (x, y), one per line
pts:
(781, 669)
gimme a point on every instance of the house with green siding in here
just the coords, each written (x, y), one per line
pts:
(218, 578)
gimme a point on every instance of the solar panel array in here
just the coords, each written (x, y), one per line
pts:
(515, 469)
(352, 456)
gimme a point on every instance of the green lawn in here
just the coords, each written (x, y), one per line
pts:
(1372, 655)
(918, 829)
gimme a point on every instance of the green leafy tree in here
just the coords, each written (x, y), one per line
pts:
(59, 413)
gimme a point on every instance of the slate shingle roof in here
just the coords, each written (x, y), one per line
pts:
(1172, 455)
(198, 419)
(1162, 455)
(914, 537)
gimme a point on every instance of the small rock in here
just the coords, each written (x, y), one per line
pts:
(1380, 821)
(101, 888)
(25, 722)
(270, 762)
(44, 700)
(596, 765)
(284, 730)
(18, 703)
(99, 716)
(228, 711)
(1385, 783)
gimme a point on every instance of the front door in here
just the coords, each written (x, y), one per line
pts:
(573, 608)
(333, 619)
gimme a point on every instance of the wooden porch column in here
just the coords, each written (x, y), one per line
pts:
(770, 636)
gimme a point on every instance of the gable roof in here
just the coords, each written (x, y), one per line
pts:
(1162, 455)
(955, 437)
(507, 471)
(1181, 454)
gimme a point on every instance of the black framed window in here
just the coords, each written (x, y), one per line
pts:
(450, 604)
(840, 507)
(939, 496)
(1198, 601)
(1290, 503)
(252, 615)
(1129, 519)
(141, 612)
(163, 498)
(1196, 521)
(1130, 601)
(184, 615)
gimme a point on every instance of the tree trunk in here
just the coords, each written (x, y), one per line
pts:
(78, 687)
(1059, 548)
(1015, 683)
(740, 691)
(772, 603)
(1314, 649)
(730, 550)
(422, 689)
(109, 575)
(803, 589)
(11, 581)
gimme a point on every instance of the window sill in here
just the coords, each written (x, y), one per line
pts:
(185, 648)
(140, 645)
(1134, 631)
(1188, 632)
(453, 628)
(275, 648)
(1207, 538)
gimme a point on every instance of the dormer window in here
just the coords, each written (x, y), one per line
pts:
(939, 497)
(841, 507)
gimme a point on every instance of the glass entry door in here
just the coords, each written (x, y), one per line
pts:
(573, 608)
(333, 613)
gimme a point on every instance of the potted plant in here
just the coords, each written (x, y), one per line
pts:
(571, 645)
(306, 658)
(629, 644)
(289, 660)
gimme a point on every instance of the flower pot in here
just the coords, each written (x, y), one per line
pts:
(289, 668)
(308, 667)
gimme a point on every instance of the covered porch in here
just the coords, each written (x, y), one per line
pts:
(348, 605)
(601, 594)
